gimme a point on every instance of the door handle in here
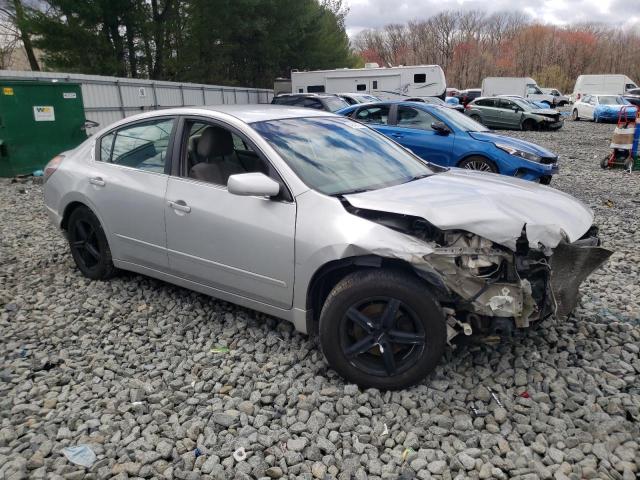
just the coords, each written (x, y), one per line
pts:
(97, 181)
(179, 205)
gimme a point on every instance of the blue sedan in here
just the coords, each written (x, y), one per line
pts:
(449, 138)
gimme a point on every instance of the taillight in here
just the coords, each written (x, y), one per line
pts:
(52, 166)
(467, 107)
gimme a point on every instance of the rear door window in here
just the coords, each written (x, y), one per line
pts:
(485, 102)
(376, 115)
(143, 145)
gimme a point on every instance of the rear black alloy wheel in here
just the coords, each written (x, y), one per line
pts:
(477, 118)
(382, 329)
(88, 245)
(481, 164)
(529, 125)
(574, 115)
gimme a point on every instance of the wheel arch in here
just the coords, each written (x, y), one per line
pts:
(478, 154)
(68, 210)
(327, 276)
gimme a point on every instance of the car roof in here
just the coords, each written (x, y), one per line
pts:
(394, 102)
(248, 113)
(313, 95)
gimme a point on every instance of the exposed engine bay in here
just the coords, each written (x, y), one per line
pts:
(486, 287)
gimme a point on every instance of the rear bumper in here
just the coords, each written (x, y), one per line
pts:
(54, 217)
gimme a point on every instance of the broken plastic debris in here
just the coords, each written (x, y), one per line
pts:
(240, 455)
(220, 350)
(478, 413)
(385, 431)
(197, 452)
(524, 394)
(494, 395)
(406, 453)
(80, 455)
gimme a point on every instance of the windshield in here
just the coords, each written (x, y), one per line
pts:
(335, 103)
(526, 105)
(460, 120)
(612, 100)
(339, 155)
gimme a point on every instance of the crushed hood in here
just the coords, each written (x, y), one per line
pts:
(493, 206)
(513, 142)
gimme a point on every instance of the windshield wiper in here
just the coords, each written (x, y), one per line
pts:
(351, 192)
(418, 177)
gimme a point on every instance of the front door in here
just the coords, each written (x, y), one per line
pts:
(240, 245)
(413, 131)
(127, 180)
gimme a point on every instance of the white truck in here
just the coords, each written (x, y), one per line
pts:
(522, 86)
(604, 84)
(386, 83)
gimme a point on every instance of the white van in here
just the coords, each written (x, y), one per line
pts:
(605, 84)
(385, 83)
(521, 86)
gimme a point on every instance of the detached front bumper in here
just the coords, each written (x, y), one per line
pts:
(570, 265)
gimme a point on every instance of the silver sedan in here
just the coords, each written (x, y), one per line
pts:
(319, 220)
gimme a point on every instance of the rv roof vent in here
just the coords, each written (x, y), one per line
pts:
(371, 65)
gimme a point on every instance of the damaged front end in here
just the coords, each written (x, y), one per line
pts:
(486, 287)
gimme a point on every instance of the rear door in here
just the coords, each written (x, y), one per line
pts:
(127, 181)
(413, 130)
(488, 111)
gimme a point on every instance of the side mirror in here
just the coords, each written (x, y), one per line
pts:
(441, 128)
(253, 184)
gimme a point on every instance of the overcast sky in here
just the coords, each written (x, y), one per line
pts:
(376, 13)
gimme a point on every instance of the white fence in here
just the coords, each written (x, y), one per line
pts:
(107, 99)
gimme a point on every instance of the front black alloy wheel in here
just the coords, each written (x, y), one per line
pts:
(382, 329)
(88, 245)
(479, 163)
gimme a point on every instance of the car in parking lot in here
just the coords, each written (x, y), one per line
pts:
(559, 100)
(466, 96)
(318, 101)
(602, 108)
(450, 139)
(322, 221)
(512, 113)
(355, 98)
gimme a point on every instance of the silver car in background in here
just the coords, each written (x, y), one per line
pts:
(319, 220)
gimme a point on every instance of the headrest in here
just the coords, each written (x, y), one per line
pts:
(214, 142)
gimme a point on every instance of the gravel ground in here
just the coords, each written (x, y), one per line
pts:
(162, 382)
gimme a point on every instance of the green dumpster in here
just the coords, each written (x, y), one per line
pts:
(38, 120)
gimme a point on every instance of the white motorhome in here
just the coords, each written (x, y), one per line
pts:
(605, 84)
(522, 86)
(385, 83)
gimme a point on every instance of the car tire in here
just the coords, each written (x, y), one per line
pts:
(476, 118)
(477, 162)
(574, 115)
(545, 180)
(353, 318)
(604, 163)
(88, 244)
(529, 125)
